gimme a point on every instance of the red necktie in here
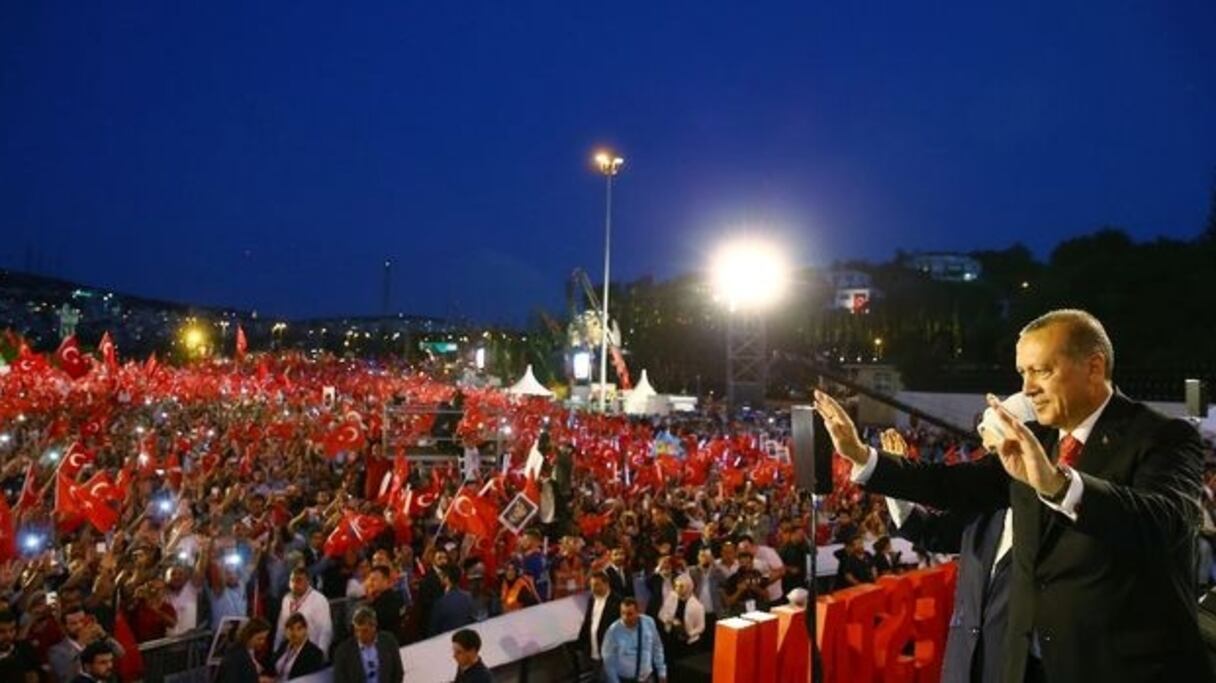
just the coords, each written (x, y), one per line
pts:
(1070, 451)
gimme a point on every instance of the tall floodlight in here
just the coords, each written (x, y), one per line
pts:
(748, 277)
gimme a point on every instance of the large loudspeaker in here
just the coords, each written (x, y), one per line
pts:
(812, 453)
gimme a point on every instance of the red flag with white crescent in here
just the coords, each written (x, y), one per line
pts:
(75, 459)
(109, 352)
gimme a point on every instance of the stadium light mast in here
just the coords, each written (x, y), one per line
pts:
(748, 277)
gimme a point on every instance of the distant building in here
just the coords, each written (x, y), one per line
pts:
(946, 267)
(854, 290)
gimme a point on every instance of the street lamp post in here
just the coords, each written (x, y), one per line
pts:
(609, 164)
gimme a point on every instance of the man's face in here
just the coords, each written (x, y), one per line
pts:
(1062, 389)
(705, 558)
(316, 540)
(464, 658)
(629, 614)
(299, 584)
(375, 583)
(599, 587)
(73, 623)
(729, 553)
(618, 556)
(683, 589)
(297, 634)
(366, 633)
(177, 578)
(8, 635)
(441, 559)
(102, 666)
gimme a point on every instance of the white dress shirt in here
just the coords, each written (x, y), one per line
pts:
(597, 612)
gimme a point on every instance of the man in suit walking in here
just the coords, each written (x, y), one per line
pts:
(297, 656)
(603, 609)
(1105, 502)
(370, 656)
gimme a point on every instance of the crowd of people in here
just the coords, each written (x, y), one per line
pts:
(143, 502)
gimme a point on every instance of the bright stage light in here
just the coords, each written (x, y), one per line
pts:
(582, 365)
(749, 274)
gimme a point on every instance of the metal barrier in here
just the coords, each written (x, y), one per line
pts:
(183, 659)
(180, 659)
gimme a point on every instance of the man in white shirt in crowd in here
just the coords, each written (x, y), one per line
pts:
(304, 599)
(768, 563)
(183, 595)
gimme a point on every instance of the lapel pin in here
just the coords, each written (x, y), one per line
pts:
(1105, 440)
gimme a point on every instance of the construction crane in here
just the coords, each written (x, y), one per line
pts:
(587, 326)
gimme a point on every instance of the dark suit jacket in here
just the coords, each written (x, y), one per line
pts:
(1111, 597)
(309, 661)
(452, 611)
(388, 607)
(478, 673)
(348, 665)
(238, 665)
(975, 643)
(620, 582)
(612, 612)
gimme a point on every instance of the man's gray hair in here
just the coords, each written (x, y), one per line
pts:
(1086, 335)
(364, 615)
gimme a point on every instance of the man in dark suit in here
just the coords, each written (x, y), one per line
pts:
(603, 609)
(297, 656)
(975, 643)
(619, 578)
(466, 650)
(370, 656)
(1105, 501)
(453, 610)
(384, 599)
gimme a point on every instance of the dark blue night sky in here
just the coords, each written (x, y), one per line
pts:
(270, 155)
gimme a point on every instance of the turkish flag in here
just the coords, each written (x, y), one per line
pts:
(71, 360)
(346, 437)
(8, 531)
(29, 362)
(473, 514)
(376, 478)
(353, 530)
(30, 495)
(74, 460)
(94, 427)
(242, 344)
(74, 502)
(101, 487)
(109, 352)
(391, 483)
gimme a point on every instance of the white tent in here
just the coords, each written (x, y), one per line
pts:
(639, 401)
(528, 386)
